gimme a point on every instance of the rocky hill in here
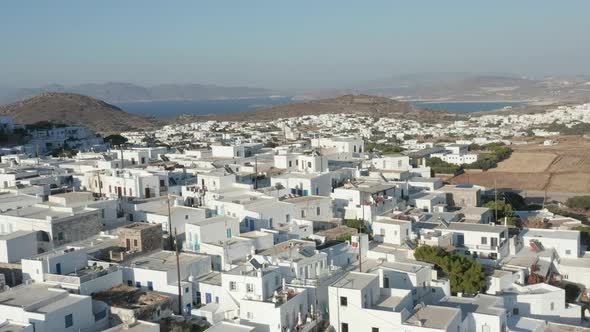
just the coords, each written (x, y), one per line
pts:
(75, 109)
(377, 107)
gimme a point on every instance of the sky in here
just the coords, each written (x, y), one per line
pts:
(286, 44)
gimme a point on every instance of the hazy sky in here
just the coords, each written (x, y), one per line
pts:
(284, 44)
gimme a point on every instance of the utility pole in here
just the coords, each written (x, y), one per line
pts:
(255, 172)
(169, 222)
(180, 308)
(495, 201)
(360, 238)
(121, 149)
(99, 185)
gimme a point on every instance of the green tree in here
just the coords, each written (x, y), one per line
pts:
(115, 139)
(501, 208)
(465, 274)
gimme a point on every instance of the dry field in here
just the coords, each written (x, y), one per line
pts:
(564, 167)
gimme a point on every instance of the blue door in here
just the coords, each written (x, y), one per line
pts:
(207, 297)
(150, 286)
(58, 268)
(305, 192)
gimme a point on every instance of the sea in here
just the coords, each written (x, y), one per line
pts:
(174, 108)
(466, 107)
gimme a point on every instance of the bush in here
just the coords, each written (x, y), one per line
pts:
(115, 140)
(501, 208)
(357, 224)
(466, 274)
(579, 202)
(563, 212)
(383, 148)
(439, 166)
(496, 153)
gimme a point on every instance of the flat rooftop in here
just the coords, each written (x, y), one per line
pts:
(550, 233)
(14, 235)
(229, 327)
(12, 327)
(467, 227)
(164, 260)
(41, 213)
(481, 304)
(213, 220)
(433, 317)
(355, 280)
(290, 246)
(30, 295)
(304, 199)
(213, 278)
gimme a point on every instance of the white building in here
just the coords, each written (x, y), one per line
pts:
(42, 308)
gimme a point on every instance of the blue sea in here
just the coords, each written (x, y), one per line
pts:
(465, 107)
(174, 108)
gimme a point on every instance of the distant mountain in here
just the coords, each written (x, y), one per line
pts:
(119, 92)
(75, 109)
(377, 107)
(471, 87)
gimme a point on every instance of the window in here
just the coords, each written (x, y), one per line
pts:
(515, 311)
(249, 288)
(249, 315)
(374, 329)
(150, 286)
(138, 284)
(302, 213)
(135, 242)
(186, 290)
(343, 301)
(228, 232)
(186, 217)
(484, 240)
(317, 210)
(309, 164)
(344, 327)
(69, 320)
(130, 283)
(290, 163)
(552, 306)
(60, 236)
(568, 252)
(232, 286)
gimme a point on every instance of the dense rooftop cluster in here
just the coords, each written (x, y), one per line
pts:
(314, 222)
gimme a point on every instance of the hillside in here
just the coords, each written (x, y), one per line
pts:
(69, 108)
(377, 107)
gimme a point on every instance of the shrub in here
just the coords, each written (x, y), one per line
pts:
(502, 208)
(466, 274)
(579, 202)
